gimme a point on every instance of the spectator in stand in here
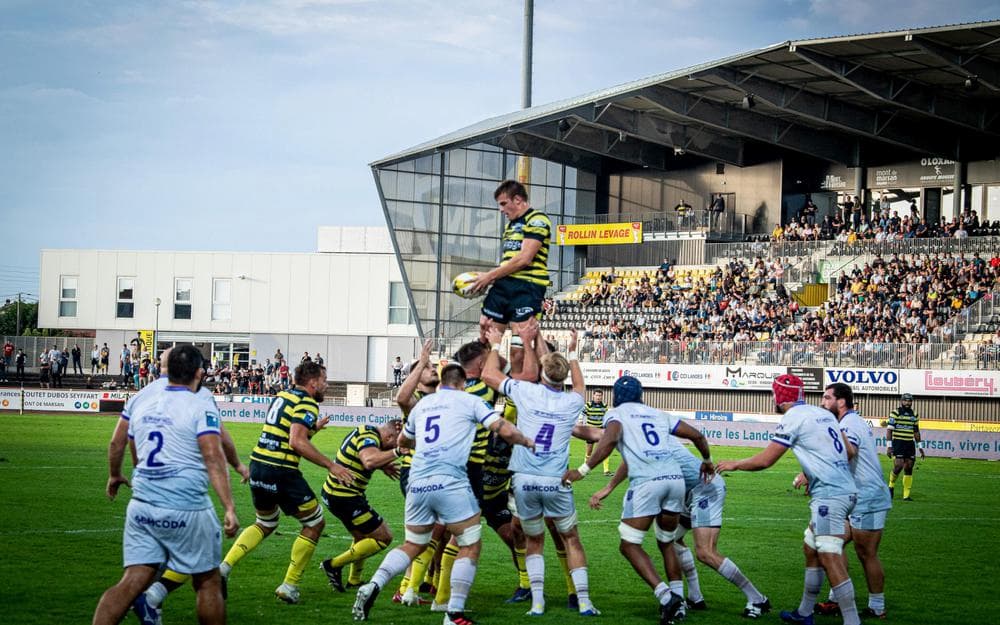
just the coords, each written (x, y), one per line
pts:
(44, 369)
(8, 353)
(306, 358)
(278, 356)
(55, 366)
(397, 372)
(95, 360)
(77, 365)
(3, 369)
(283, 375)
(19, 361)
(105, 358)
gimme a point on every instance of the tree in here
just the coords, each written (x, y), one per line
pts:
(29, 318)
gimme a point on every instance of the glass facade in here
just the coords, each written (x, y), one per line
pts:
(444, 221)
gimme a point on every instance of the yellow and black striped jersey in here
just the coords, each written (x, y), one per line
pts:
(510, 410)
(289, 407)
(496, 471)
(349, 455)
(903, 422)
(593, 413)
(478, 388)
(531, 225)
(407, 458)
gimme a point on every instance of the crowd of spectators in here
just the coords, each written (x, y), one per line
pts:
(269, 378)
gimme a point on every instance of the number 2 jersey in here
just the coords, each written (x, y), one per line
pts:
(165, 423)
(645, 441)
(813, 434)
(546, 417)
(442, 426)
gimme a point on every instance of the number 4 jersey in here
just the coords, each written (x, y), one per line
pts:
(546, 417)
(165, 424)
(813, 434)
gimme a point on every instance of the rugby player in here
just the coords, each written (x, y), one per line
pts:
(814, 436)
(277, 485)
(902, 436)
(442, 427)
(593, 416)
(174, 434)
(656, 485)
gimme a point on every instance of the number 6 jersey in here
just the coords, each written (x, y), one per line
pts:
(645, 441)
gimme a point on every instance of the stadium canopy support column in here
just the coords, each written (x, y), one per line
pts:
(529, 18)
(959, 185)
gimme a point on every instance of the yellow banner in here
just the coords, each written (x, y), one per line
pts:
(599, 234)
(146, 336)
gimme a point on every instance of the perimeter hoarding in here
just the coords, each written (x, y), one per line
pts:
(722, 377)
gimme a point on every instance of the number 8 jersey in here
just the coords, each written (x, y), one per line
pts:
(546, 417)
(645, 440)
(813, 434)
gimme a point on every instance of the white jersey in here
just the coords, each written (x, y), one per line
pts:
(813, 434)
(443, 425)
(165, 424)
(873, 494)
(160, 382)
(546, 417)
(645, 441)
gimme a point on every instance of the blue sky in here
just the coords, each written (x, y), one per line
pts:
(245, 125)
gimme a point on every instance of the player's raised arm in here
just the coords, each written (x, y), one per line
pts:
(492, 375)
(406, 395)
(576, 375)
(528, 331)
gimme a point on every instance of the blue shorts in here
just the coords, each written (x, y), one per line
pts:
(187, 541)
(439, 499)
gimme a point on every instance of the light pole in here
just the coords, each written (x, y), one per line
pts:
(156, 329)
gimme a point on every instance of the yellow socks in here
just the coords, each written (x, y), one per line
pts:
(907, 485)
(444, 583)
(570, 586)
(354, 579)
(607, 464)
(419, 567)
(364, 548)
(245, 543)
(892, 479)
(302, 551)
(522, 569)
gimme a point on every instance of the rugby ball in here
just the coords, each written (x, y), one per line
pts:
(461, 285)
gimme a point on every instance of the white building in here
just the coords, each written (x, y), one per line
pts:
(346, 301)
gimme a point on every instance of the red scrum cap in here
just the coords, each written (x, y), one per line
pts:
(787, 388)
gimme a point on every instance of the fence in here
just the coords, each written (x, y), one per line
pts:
(714, 252)
(33, 346)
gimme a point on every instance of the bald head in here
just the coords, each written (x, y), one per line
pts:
(164, 357)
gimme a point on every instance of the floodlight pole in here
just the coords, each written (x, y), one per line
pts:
(529, 18)
(156, 328)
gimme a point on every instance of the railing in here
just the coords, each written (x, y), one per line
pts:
(770, 249)
(695, 220)
(33, 346)
(714, 252)
(970, 320)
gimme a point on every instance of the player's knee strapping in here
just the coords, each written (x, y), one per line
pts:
(418, 538)
(566, 523)
(829, 544)
(665, 536)
(313, 519)
(533, 527)
(269, 521)
(630, 534)
(809, 538)
(469, 536)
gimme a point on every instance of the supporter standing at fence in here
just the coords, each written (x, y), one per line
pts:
(19, 361)
(77, 365)
(105, 358)
(8, 353)
(517, 285)
(95, 360)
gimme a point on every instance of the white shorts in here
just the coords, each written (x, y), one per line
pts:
(829, 515)
(705, 507)
(869, 521)
(439, 499)
(653, 496)
(537, 495)
(187, 541)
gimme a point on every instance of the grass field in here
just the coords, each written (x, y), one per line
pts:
(61, 543)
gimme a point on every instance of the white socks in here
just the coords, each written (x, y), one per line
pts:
(844, 594)
(462, 575)
(395, 562)
(730, 571)
(535, 564)
(582, 583)
(155, 594)
(690, 572)
(813, 582)
(662, 593)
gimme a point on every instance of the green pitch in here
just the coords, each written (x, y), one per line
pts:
(61, 543)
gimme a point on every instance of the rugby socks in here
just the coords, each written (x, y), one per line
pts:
(844, 594)
(690, 572)
(892, 479)
(907, 485)
(570, 586)
(418, 569)
(155, 594)
(463, 573)
(731, 572)
(354, 578)
(876, 601)
(522, 570)
(364, 548)
(662, 593)
(302, 551)
(173, 580)
(444, 581)
(535, 564)
(813, 582)
(403, 585)
(607, 464)
(394, 563)
(582, 583)
(245, 543)
(676, 587)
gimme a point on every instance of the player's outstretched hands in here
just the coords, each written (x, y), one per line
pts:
(391, 471)
(482, 282)
(527, 330)
(425, 351)
(726, 466)
(572, 340)
(114, 483)
(707, 471)
(494, 335)
(342, 474)
(230, 524)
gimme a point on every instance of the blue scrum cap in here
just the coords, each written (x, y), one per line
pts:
(627, 389)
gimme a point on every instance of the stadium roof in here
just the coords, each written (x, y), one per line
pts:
(856, 100)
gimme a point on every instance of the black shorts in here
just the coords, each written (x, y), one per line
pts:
(512, 299)
(475, 472)
(272, 487)
(355, 513)
(404, 479)
(907, 450)
(496, 512)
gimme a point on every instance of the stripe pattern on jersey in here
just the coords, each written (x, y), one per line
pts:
(531, 225)
(903, 422)
(349, 455)
(289, 407)
(477, 387)
(593, 413)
